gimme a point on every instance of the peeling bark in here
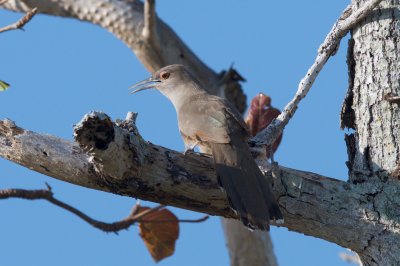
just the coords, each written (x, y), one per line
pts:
(347, 113)
(374, 155)
(376, 74)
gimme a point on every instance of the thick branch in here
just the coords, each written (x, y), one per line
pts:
(137, 25)
(161, 175)
(345, 23)
(127, 23)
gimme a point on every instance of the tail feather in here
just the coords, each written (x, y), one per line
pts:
(248, 191)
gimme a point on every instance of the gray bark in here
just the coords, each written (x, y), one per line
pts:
(246, 247)
(374, 158)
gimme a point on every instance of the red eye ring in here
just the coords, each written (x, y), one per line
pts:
(164, 75)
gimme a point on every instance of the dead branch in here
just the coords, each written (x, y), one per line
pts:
(135, 216)
(347, 21)
(137, 25)
(122, 162)
(20, 23)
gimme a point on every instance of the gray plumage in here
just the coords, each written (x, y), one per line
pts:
(213, 123)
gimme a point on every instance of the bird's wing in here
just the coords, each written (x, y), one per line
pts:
(211, 119)
(234, 114)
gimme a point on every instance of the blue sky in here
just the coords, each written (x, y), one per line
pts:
(60, 69)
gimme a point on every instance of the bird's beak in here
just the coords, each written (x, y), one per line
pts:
(144, 85)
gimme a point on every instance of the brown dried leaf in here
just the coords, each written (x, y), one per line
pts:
(260, 115)
(159, 231)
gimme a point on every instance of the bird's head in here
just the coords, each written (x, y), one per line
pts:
(168, 80)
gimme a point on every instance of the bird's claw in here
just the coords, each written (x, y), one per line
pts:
(187, 151)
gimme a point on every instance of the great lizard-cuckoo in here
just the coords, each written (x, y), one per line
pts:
(213, 123)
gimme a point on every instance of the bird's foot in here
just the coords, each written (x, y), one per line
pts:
(187, 151)
(189, 147)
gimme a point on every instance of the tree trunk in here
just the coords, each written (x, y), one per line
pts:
(247, 247)
(369, 108)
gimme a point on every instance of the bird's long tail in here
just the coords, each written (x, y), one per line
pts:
(248, 191)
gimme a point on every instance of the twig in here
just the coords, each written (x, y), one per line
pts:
(390, 97)
(142, 214)
(20, 23)
(133, 217)
(204, 218)
(346, 21)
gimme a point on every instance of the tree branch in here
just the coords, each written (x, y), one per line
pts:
(135, 216)
(346, 22)
(20, 23)
(121, 162)
(143, 32)
(127, 23)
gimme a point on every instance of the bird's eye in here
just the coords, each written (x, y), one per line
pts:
(164, 75)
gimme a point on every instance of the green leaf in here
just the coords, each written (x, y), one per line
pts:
(3, 85)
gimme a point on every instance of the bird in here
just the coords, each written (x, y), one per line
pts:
(211, 122)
